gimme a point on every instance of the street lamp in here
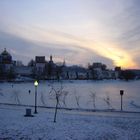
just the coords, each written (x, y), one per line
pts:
(35, 84)
(121, 93)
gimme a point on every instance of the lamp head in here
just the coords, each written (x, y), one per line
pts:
(121, 92)
(35, 83)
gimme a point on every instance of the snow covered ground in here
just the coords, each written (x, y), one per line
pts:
(70, 125)
(77, 90)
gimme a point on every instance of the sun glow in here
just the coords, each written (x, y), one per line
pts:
(116, 53)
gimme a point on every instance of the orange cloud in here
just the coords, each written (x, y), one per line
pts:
(117, 54)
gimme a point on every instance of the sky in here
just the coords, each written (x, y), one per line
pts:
(77, 31)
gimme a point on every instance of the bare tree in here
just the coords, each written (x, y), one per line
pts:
(52, 94)
(77, 98)
(93, 99)
(108, 102)
(15, 96)
(57, 93)
(63, 97)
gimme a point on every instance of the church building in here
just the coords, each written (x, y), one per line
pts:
(6, 62)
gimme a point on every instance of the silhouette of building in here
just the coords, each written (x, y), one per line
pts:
(40, 64)
(23, 71)
(51, 69)
(41, 69)
(117, 68)
(74, 73)
(51, 59)
(6, 61)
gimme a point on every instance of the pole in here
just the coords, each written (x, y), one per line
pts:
(35, 100)
(121, 103)
(121, 93)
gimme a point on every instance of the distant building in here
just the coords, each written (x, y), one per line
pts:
(42, 69)
(6, 61)
(52, 71)
(23, 71)
(117, 68)
(51, 59)
(98, 65)
(118, 72)
(135, 72)
(74, 72)
(109, 74)
(40, 64)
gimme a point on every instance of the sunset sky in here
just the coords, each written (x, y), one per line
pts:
(79, 31)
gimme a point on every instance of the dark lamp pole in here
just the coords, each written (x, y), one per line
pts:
(121, 93)
(35, 84)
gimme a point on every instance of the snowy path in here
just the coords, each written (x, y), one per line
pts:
(71, 125)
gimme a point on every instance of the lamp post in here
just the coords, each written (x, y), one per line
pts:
(121, 93)
(35, 84)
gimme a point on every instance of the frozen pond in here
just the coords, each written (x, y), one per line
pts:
(76, 94)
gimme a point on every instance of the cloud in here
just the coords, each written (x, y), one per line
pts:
(119, 34)
(86, 31)
(22, 49)
(68, 46)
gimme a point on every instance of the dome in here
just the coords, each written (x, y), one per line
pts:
(5, 53)
(6, 57)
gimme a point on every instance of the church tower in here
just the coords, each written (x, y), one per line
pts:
(51, 59)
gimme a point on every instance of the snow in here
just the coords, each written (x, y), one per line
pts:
(19, 94)
(70, 125)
